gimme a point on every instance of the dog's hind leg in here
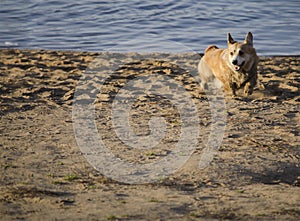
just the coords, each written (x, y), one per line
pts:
(205, 74)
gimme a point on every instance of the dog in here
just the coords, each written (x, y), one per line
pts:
(232, 68)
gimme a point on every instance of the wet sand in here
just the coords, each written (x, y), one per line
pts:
(255, 174)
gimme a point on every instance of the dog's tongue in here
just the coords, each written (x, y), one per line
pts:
(236, 67)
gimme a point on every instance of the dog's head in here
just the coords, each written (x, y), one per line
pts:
(241, 55)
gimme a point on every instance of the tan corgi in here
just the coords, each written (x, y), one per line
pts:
(234, 67)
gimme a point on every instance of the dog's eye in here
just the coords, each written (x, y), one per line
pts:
(231, 53)
(241, 53)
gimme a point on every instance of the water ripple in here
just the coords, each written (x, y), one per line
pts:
(95, 25)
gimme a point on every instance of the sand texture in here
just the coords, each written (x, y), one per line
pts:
(254, 175)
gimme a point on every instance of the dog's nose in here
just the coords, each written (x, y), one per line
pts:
(234, 62)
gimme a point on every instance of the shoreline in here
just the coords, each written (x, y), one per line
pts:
(155, 52)
(255, 174)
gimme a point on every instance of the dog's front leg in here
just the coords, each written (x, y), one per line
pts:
(248, 89)
(249, 86)
(233, 88)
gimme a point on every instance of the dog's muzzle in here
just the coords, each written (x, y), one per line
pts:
(236, 66)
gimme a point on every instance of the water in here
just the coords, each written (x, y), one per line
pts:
(140, 25)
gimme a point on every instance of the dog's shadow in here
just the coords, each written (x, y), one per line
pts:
(279, 80)
(275, 90)
(283, 173)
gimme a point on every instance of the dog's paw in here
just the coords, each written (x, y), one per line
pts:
(260, 85)
(233, 92)
(248, 92)
(203, 86)
(248, 89)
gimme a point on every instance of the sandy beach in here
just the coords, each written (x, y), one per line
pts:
(255, 174)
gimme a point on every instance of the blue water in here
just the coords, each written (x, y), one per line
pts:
(140, 25)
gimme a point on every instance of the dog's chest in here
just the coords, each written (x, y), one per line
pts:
(239, 78)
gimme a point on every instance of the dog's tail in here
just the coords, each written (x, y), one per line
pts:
(211, 47)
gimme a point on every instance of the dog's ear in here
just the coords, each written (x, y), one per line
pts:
(230, 40)
(249, 39)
